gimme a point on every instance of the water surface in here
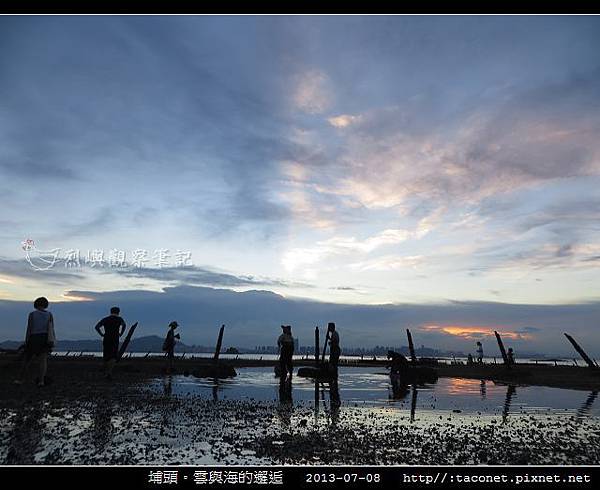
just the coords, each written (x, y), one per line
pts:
(372, 387)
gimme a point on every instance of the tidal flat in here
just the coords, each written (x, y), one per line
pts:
(81, 418)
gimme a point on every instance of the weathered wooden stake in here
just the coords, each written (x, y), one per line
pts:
(582, 353)
(126, 341)
(413, 403)
(325, 346)
(411, 347)
(502, 349)
(219, 342)
(317, 345)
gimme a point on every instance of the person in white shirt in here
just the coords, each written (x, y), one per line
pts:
(39, 339)
(479, 353)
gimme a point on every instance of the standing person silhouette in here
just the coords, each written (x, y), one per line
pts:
(510, 356)
(169, 345)
(285, 343)
(39, 339)
(479, 353)
(114, 327)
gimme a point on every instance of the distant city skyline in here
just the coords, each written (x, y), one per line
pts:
(383, 163)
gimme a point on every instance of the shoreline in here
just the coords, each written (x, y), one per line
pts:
(139, 369)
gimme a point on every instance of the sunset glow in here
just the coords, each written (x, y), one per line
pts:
(471, 332)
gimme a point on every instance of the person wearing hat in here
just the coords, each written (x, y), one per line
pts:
(285, 343)
(169, 345)
(334, 346)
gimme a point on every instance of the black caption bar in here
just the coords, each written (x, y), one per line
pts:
(174, 477)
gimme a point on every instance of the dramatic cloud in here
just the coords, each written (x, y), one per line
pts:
(407, 159)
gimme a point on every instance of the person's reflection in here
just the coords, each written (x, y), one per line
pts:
(26, 437)
(413, 402)
(215, 390)
(399, 388)
(285, 401)
(584, 410)
(102, 428)
(168, 386)
(482, 389)
(510, 392)
(334, 400)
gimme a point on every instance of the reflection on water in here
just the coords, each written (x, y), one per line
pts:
(102, 427)
(26, 436)
(368, 387)
(586, 407)
(361, 418)
(510, 393)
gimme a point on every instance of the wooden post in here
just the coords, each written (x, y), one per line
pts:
(317, 392)
(219, 342)
(502, 349)
(317, 345)
(325, 346)
(582, 353)
(411, 347)
(126, 341)
(413, 403)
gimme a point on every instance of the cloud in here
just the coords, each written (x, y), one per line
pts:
(343, 120)
(531, 137)
(336, 246)
(20, 269)
(547, 257)
(194, 275)
(389, 262)
(313, 92)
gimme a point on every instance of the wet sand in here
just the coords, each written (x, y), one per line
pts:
(82, 419)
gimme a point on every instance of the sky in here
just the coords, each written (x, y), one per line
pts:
(416, 163)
